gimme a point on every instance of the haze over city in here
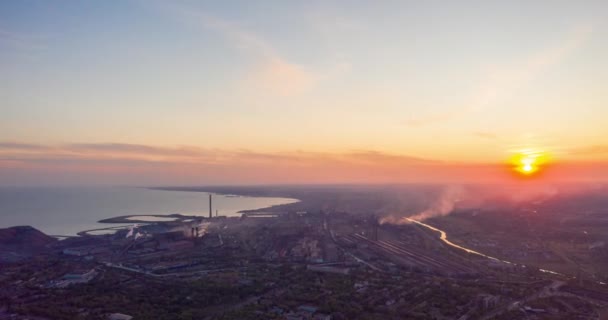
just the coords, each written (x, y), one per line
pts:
(187, 92)
(303, 160)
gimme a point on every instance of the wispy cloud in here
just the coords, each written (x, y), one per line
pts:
(190, 154)
(21, 146)
(590, 150)
(504, 79)
(124, 148)
(204, 165)
(281, 77)
(374, 157)
(137, 164)
(273, 73)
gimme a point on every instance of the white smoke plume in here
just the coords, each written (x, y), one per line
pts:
(454, 197)
(131, 230)
(448, 199)
(443, 205)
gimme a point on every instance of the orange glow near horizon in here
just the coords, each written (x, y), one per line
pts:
(529, 163)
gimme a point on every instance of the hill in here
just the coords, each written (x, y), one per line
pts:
(24, 237)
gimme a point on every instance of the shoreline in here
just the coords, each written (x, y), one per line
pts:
(82, 227)
(238, 192)
(129, 218)
(179, 218)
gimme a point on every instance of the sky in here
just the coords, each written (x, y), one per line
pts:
(243, 92)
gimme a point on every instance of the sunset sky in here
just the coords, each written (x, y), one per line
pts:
(216, 92)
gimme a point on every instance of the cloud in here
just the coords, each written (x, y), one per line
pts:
(142, 164)
(590, 150)
(186, 164)
(21, 146)
(374, 157)
(133, 149)
(272, 73)
(113, 151)
(503, 80)
(280, 77)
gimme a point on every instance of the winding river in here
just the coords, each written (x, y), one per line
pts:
(444, 238)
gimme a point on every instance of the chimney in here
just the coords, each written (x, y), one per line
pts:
(210, 208)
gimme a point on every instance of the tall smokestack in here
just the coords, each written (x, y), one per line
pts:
(210, 208)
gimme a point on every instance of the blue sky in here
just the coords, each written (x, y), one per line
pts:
(469, 81)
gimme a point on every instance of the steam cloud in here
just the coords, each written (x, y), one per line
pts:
(132, 230)
(443, 205)
(453, 197)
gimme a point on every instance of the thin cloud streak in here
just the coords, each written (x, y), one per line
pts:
(133, 149)
(140, 164)
(21, 146)
(31, 152)
(590, 150)
(198, 165)
(273, 73)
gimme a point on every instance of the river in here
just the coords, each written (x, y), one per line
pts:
(444, 237)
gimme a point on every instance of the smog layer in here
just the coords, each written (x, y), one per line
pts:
(341, 252)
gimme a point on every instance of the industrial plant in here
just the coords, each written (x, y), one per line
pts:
(293, 262)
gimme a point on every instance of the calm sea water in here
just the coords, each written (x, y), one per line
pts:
(66, 211)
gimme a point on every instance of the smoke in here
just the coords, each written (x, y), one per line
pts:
(444, 200)
(132, 230)
(440, 205)
(446, 203)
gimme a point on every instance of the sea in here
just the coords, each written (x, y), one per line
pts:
(65, 211)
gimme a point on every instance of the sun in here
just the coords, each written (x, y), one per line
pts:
(528, 163)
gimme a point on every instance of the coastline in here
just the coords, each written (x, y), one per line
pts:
(243, 191)
(70, 211)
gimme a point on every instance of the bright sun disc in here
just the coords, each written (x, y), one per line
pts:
(528, 163)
